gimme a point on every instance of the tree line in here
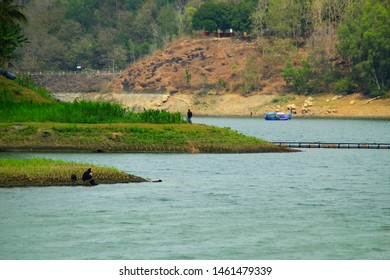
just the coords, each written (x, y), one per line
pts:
(349, 40)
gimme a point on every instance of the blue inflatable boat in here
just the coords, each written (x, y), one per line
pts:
(277, 116)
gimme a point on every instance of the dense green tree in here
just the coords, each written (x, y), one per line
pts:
(106, 35)
(55, 54)
(82, 52)
(125, 24)
(288, 18)
(259, 18)
(137, 27)
(205, 17)
(132, 5)
(297, 77)
(315, 74)
(136, 51)
(187, 20)
(11, 35)
(223, 16)
(11, 38)
(142, 24)
(365, 44)
(85, 12)
(168, 26)
(241, 16)
(10, 12)
(326, 17)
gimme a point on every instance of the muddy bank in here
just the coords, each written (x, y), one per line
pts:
(24, 181)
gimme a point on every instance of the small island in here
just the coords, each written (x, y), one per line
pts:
(32, 121)
(42, 172)
(128, 138)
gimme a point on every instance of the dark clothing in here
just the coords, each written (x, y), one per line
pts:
(189, 116)
(73, 178)
(87, 175)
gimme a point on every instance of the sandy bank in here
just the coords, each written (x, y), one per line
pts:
(324, 106)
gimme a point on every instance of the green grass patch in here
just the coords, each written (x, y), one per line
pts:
(125, 137)
(37, 123)
(283, 99)
(23, 101)
(81, 112)
(48, 172)
(22, 89)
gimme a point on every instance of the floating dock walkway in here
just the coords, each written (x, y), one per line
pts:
(334, 145)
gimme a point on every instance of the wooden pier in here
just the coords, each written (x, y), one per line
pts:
(319, 145)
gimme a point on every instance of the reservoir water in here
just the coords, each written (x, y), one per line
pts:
(315, 204)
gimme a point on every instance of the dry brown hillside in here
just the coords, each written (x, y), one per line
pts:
(193, 65)
(213, 76)
(209, 75)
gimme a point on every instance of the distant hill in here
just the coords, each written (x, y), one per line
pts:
(218, 65)
(212, 76)
(202, 66)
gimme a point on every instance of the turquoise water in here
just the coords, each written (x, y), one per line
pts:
(316, 204)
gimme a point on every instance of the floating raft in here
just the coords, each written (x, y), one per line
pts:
(334, 145)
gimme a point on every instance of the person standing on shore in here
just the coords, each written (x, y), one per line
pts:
(189, 116)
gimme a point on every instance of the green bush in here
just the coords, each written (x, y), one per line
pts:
(251, 76)
(297, 78)
(344, 86)
(221, 83)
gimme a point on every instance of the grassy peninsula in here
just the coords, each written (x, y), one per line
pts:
(30, 120)
(46, 172)
(125, 137)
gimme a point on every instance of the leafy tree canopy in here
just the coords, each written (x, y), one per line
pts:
(223, 16)
(365, 44)
(109, 35)
(11, 35)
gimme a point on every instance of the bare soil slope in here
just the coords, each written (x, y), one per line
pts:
(209, 76)
(188, 65)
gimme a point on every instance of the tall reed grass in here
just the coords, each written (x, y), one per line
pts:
(24, 101)
(81, 112)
